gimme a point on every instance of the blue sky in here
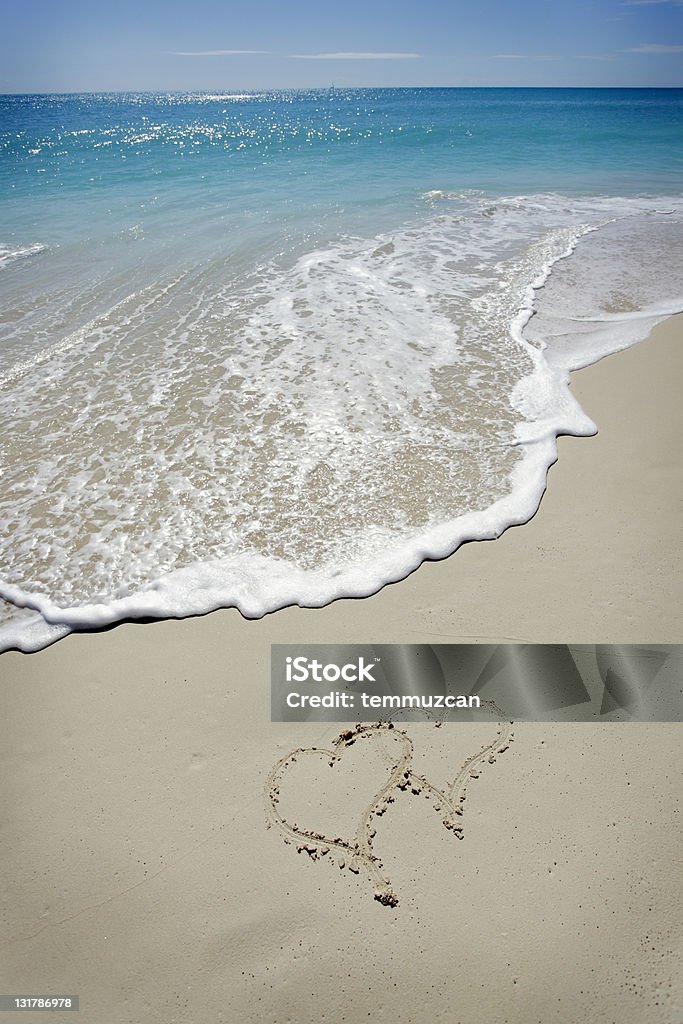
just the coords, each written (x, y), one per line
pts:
(81, 45)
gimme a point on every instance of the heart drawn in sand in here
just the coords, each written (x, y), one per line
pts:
(356, 851)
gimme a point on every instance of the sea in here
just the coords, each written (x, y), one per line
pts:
(261, 349)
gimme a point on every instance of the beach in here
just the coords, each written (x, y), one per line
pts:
(137, 867)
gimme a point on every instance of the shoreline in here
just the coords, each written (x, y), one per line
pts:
(476, 574)
(134, 761)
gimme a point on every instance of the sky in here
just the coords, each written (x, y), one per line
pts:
(82, 45)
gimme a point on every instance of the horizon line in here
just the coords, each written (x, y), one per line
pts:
(316, 88)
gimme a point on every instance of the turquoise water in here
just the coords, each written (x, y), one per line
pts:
(261, 349)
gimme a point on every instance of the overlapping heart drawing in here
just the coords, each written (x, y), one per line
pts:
(357, 852)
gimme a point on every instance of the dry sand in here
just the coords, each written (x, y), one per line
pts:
(136, 868)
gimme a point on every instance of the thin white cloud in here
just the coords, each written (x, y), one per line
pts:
(523, 56)
(654, 48)
(354, 56)
(596, 56)
(214, 53)
(646, 3)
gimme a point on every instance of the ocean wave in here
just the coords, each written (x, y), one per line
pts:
(10, 252)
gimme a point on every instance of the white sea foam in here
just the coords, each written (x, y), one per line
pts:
(315, 431)
(9, 252)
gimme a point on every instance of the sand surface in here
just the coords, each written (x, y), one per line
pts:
(136, 868)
